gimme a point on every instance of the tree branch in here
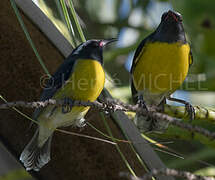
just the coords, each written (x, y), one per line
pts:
(168, 172)
(112, 106)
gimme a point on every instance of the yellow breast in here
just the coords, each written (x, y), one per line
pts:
(161, 67)
(85, 83)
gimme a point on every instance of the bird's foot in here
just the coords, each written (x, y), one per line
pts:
(190, 110)
(141, 104)
(67, 105)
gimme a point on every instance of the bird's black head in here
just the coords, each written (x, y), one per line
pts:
(92, 49)
(170, 28)
(171, 16)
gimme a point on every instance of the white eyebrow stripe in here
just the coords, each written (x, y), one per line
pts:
(79, 49)
(81, 46)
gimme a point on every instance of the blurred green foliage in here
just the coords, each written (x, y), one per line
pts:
(20, 174)
(210, 171)
(200, 25)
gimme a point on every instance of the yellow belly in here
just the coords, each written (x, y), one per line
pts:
(86, 82)
(161, 67)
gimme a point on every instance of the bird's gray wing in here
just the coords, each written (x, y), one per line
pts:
(56, 81)
(190, 58)
(134, 62)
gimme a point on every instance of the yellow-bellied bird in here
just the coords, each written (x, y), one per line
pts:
(80, 77)
(160, 65)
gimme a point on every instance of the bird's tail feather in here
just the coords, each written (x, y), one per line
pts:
(148, 125)
(34, 157)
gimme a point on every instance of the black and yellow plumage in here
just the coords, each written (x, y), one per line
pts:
(160, 65)
(80, 77)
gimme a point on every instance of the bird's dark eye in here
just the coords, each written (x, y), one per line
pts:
(94, 44)
(179, 18)
(164, 16)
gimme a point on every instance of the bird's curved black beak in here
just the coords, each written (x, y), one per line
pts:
(105, 42)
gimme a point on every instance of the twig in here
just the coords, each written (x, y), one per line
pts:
(167, 172)
(86, 136)
(107, 106)
(201, 113)
(112, 106)
(182, 125)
